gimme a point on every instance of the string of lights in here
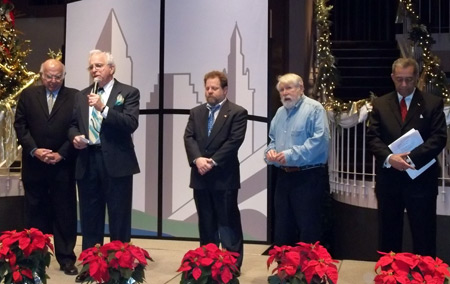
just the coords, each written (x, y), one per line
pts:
(432, 77)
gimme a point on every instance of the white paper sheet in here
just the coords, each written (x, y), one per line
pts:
(406, 143)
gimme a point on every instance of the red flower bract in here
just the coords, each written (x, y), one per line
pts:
(209, 262)
(126, 259)
(24, 253)
(409, 268)
(309, 261)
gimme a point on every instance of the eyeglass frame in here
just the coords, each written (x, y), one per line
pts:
(96, 66)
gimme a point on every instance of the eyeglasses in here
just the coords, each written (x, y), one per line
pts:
(96, 66)
(49, 77)
(407, 80)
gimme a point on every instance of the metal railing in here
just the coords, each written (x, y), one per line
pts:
(352, 169)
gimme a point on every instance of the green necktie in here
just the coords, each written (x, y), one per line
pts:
(95, 124)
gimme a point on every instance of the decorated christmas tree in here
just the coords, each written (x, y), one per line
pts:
(14, 77)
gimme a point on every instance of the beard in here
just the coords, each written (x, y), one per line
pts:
(289, 101)
(212, 100)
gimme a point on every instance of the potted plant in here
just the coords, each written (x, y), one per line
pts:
(209, 264)
(24, 256)
(114, 263)
(302, 264)
(404, 268)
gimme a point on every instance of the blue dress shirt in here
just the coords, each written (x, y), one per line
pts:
(302, 133)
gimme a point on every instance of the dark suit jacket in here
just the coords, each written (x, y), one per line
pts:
(36, 128)
(222, 145)
(426, 115)
(115, 134)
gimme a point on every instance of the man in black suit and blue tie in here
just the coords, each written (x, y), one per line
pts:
(394, 188)
(213, 135)
(101, 129)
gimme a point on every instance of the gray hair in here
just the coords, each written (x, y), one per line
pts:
(288, 79)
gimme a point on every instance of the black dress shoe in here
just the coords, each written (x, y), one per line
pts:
(69, 269)
(81, 277)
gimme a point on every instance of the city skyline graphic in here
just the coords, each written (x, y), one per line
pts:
(162, 200)
(181, 93)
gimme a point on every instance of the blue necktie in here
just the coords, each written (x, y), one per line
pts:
(212, 110)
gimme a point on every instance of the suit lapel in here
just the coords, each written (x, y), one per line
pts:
(42, 98)
(115, 91)
(84, 109)
(204, 112)
(395, 107)
(60, 98)
(415, 106)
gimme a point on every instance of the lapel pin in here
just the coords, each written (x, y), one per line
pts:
(225, 115)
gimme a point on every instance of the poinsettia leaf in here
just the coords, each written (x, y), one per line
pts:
(196, 273)
(274, 279)
(206, 261)
(332, 274)
(139, 274)
(17, 277)
(295, 280)
(226, 275)
(125, 272)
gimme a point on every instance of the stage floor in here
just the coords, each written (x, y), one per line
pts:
(167, 255)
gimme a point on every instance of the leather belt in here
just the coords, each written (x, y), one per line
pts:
(302, 168)
(95, 147)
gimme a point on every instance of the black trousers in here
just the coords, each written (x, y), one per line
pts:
(420, 207)
(50, 206)
(298, 201)
(219, 219)
(98, 191)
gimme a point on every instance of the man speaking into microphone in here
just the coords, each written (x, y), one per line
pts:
(105, 117)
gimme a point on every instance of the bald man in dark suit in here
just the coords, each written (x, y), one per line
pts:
(394, 188)
(42, 121)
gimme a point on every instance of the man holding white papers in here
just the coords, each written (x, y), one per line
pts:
(393, 115)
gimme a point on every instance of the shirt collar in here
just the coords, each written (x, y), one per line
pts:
(55, 93)
(108, 86)
(220, 104)
(408, 98)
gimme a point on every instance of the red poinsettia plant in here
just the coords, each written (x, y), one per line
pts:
(114, 263)
(408, 268)
(24, 256)
(302, 264)
(209, 264)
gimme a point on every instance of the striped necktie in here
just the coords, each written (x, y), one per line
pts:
(95, 123)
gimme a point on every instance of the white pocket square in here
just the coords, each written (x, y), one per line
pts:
(421, 116)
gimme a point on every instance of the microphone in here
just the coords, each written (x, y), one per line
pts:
(95, 88)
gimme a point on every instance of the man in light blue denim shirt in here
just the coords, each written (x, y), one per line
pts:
(298, 148)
